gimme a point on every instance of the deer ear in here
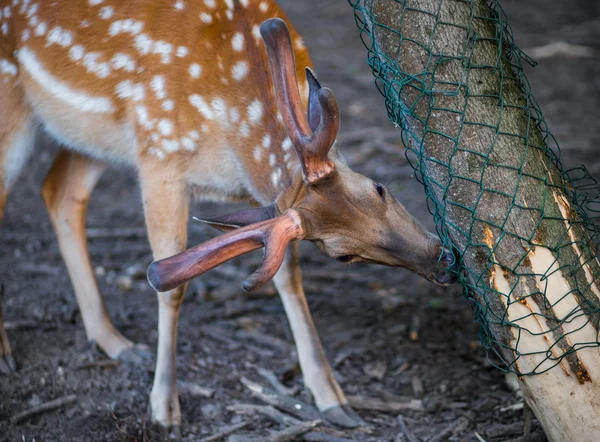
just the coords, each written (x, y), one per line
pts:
(242, 218)
(314, 109)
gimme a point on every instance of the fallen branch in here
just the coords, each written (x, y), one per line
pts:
(319, 436)
(267, 410)
(226, 431)
(292, 432)
(194, 389)
(293, 406)
(43, 408)
(375, 404)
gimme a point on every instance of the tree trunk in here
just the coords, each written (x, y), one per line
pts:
(453, 79)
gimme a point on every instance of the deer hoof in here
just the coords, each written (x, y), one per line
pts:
(7, 364)
(343, 416)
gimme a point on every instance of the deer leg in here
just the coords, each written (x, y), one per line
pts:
(166, 205)
(17, 139)
(66, 192)
(318, 376)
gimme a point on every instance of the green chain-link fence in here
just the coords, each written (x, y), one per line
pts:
(416, 99)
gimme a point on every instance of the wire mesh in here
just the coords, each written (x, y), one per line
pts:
(468, 61)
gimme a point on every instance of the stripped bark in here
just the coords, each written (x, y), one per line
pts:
(493, 124)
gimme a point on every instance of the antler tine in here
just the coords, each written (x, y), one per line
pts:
(312, 148)
(274, 235)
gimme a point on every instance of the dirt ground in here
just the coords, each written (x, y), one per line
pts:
(389, 334)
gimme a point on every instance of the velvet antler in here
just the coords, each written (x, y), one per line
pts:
(311, 147)
(274, 235)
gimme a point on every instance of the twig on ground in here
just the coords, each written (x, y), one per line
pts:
(291, 405)
(479, 438)
(319, 436)
(43, 408)
(275, 382)
(267, 410)
(195, 389)
(288, 434)
(262, 338)
(102, 363)
(227, 431)
(405, 433)
(370, 403)
(443, 435)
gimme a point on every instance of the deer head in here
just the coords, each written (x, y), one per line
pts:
(347, 215)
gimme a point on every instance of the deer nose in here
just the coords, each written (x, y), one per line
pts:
(447, 268)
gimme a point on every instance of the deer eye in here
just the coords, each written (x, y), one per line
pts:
(380, 189)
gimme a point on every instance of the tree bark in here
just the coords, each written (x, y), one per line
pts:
(501, 197)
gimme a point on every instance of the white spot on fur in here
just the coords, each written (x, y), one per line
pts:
(25, 35)
(229, 4)
(128, 26)
(198, 102)
(210, 3)
(158, 86)
(165, 127)
(170, 145)
(143, 44)
(220, 109)
(255, 112)
(263, 6)
(206, 18)
(143, 117)
(279, 117)
(59, 36)
(5, 28)
(244, 3)
(157, 153)
(237, 42)
(7, 12)
(182, 51)
(256, 32)
(204, 128)
(164, 49)
(179, 5)
(188, 144)
(286, 144)
(59, 89)
(32, 10)
(229, 14)
(275, 176)
(266, 141)
(128, 89)
(272, 159)
(91, 63)
(123, 61)
(168, 105)
(257, 153)
(76, 52)
(234, 115)
(95, 2)
(106, 12)
(244, 129)
(239, 70)
(194, 135)
(195, 70)
(84, 23)
(41, 29)
(299, 44)
(6, 67)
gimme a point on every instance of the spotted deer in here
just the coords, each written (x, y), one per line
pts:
(184, 92)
